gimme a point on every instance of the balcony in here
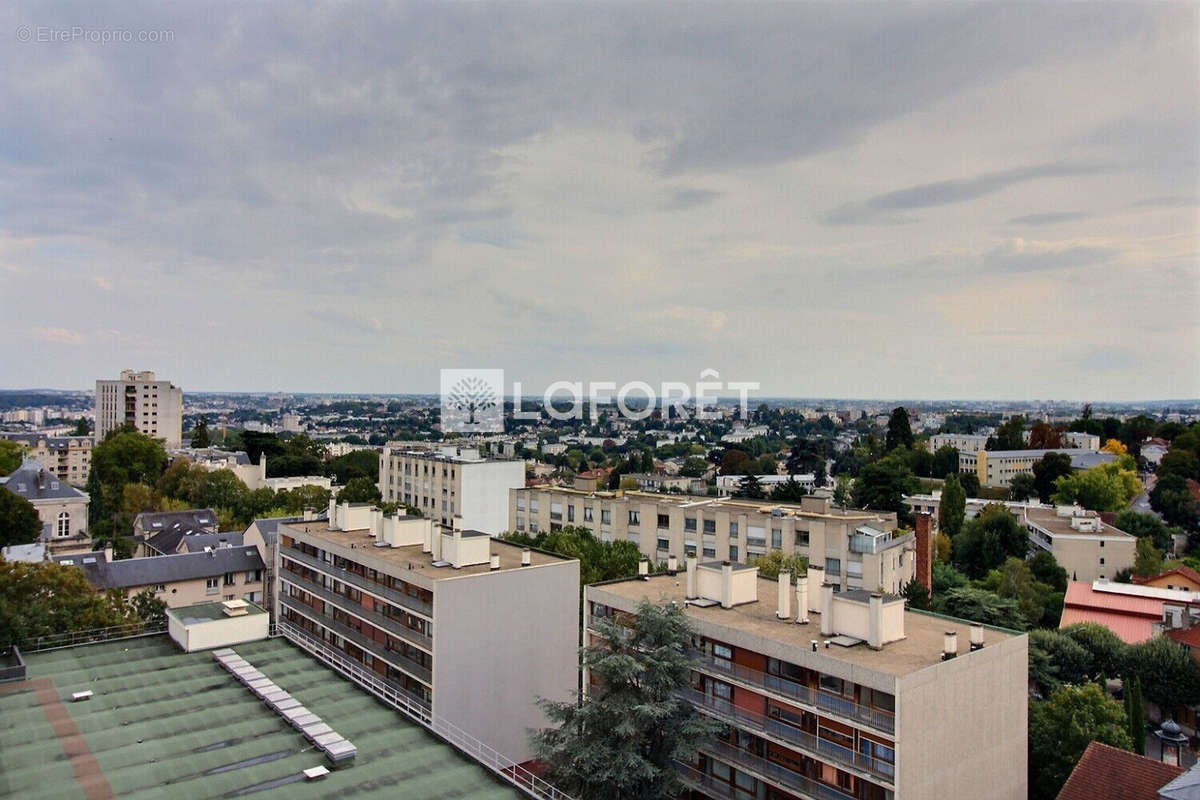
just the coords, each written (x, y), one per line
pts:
(359, 582)
(811, 745)
(389, 625)
(817, 699)
(397, 660)
(710, 786)
(774, 773)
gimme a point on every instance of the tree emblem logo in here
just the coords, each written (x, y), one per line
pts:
(472, 401)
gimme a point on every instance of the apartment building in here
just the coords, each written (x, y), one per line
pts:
(962, 442)
(997, 467)
(448, 482)
(178, 579)
(845, 696)
(858, 549)
(1081, 542)
(69, 458)
(469, 630)
(729, 485)
(62, 508)
(153, 407)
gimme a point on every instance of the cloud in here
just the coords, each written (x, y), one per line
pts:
(1050, 218)
(1167, 201)
(60, 336)
(1017, 255)
(102, 282)
(690, 197)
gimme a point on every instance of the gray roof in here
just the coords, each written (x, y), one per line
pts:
(35, 552)
(52, 442)
(1185, 787)
(131, 572)
(34, 483)
(197, 542)
(213, 453)
(1087, 459)
(269, 526)
(165, 529)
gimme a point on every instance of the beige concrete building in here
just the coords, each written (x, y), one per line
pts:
(62, 508)
(69, 458)
(140, 399)
(842, 696)
(1082, 544)
(858, 549)
(448, 482)
(468, 630)
(962, 442)
(997, 467)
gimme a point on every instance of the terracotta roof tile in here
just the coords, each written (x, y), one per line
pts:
(1106, 773)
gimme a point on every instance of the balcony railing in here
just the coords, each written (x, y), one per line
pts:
(397, 660)
(387, 624)
(710, 786)
(816, 698)
(774, 773)
(358, 581)
(793, 737)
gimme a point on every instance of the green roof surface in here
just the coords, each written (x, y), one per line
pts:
(207, 612)
(203, 734)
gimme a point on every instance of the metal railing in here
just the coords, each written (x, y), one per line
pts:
(712, 787)
(775, 773)
(421, 713)
(358, 581)
(396, 659)
(388, 624)
(55, 641)
(816, 698)
(793, 737)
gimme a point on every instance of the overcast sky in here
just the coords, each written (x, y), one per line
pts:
(856, 199)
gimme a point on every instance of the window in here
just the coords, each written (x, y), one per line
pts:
(570, 513)
(710, 552)
(64, 525)
(587, 514)
(210, 586)
(802, 538)
(689, 524)
(253, 576)
(664, 520)
(733, 530)
(776, 537)
(831, 684)
(710, 526)
(722, 690)
(664, 545)
(605, 517)
(719, 769)
(635, 518)
(733, 552)
(229, 579)
(833, 566)
(722, 655)
(161, 587)
(1101, 560)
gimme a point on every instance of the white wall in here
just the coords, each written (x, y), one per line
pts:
(483, 500)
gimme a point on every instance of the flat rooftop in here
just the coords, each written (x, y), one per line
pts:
(165, 723)
(402, 557)
(921, 647)
(1047, 518)
(207, 612)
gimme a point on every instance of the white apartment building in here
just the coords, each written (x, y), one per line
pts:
(728, 485)
(962, 442)
(451, 482)
(140, 399)
(69, 458)
(857, 549)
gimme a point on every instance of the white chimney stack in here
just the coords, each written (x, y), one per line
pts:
(726, 585)
(875, 622)
(333, 515)
(495, 562)
(672, 564)
(526, 557)
(976, 636)
(784, 612)
(949, 645)
(644, 568)
(691, 578)
(427, 534)
(826, 609)
(802, 599)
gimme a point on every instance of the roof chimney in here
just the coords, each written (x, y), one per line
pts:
(526, 557)
(691, 578)
(784, 612)
(310, 513)
(726, 585)
(108, 553)
(672, 564)
(494, 562)
(802, 599)
(875, 622)
(644, 568)
(826, 609)
(949, 645)
(976, 636)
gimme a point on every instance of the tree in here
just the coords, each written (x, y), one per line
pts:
(750, 487)
(952, 509)
(899, 430)
(1172, 498)
(693, 467)
(945, 461)
(1045, 569)
(19, 520)
(789, 491)
(1055, 659)
(221, 489)
(1169, 676)
(624, 737)
(1106, 487)
(987, 540)
(1043, 436)
(771, 564)
(82, 428)
(980, 605)
(1135, 709)
(1011, 435)
(942, 547)
(1145, 526)
(1061, 728)
(46, 598)
(1108, 654)
(200, 437)
(148, 607)
(1022, 487)
(843, 490)
(970, 483)
(11, 455)
(302, 497)
(946, 577)
(1014, 580)
(124, 457)
(883, 487)
(1048, 469)
(1179, 461)
(733, 462)
(598, 560)
(360, 490)
(1149, 559)
(1115, 446)
(917, 595)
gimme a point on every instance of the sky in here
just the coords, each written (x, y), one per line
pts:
(939, 200)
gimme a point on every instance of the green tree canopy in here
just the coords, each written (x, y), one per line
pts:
(750, 487)
(1061, 728)
(1106, 487)
(980, 605)
(952, 509)
(1011, 435)
(899, 430)
(1108, 653)
(1148, 559)
(622, 740)
(790, 491)
(771, 564)
(1047, 570)
(82, 428)
(355, 464)
(1145, 526)
(1047, 470)
(1169, 676)
(46, 598)
(1172, 498)
(987, 540)
(200, 436)
(19, 520)
(945, 461)
(360, 490)
(1055, 659)
(1022, 487)
(221, 489)
(883, 487)
(598, 560)
(11, 455)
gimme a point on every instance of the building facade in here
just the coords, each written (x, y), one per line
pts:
(62, 509)
(449, 482)
(846, 697)
(153, 407)
(468, 628)
(67, 457)
(1084, 545)
(858, 549)
(962, 442)
(179, 579)
(997, 468)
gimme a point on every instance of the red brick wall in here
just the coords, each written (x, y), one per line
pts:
(925, 549)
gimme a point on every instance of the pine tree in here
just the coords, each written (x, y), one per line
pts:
(623, 738)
